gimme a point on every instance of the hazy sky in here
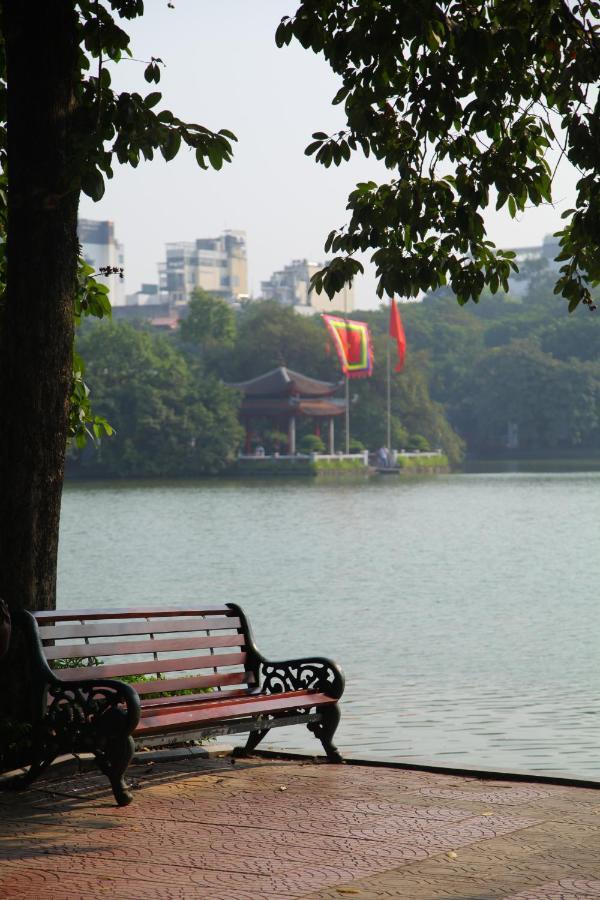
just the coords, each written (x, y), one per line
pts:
(223, 70)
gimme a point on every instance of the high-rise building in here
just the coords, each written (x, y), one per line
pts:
(291, 287)
(100, 248)
(217, 265)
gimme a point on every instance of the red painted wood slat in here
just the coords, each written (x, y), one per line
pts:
(220, 679)
(154, 626)
(178, 704)
(65, 615)
(127, 648)
(208, 697)
(179, 721)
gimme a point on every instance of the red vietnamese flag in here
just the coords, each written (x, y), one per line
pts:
(397, 332)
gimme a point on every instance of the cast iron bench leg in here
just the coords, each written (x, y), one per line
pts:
(325, 730)
(37, 767)
(254, 739)
(113, 762)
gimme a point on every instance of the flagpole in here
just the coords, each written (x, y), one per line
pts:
(347, 415)
(389, 399)
(347, 382)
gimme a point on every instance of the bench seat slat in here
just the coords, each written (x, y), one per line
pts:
(208, 697)
(179, 721)
(149, 667)
(220, 679)
(126, 648)
(154, 626)
(178, 704)
(64, 615)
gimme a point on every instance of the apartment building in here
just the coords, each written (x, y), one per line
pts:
(291, 287)
(218, 265)
(100, 248)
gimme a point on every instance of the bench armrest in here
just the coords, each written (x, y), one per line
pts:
(96, 715)
(311, 673)
(73, 704)
(316, 673)
(97, 702)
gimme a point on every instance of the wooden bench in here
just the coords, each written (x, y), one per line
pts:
(207, 652)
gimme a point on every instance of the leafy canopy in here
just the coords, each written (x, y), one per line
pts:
(171, 416)
(461, 101)
(127, 126)
(103, 126)
(210, 321)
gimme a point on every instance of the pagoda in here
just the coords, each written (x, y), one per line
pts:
(282, 395)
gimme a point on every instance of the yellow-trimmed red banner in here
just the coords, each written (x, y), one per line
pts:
(352, 341)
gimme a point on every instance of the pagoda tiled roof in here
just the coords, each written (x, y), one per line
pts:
(276, 406)
(282, 382)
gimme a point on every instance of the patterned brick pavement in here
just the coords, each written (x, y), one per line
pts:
(269, 829)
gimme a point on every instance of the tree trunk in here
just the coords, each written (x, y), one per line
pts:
(36, 323)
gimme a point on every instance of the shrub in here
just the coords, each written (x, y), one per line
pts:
(77, 662)
(311, 443)
(418, 442)
(356, 446)
(275, 441)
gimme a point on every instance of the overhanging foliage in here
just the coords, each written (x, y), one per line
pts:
(461, 101)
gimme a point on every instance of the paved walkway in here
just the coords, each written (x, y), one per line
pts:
(268, 829)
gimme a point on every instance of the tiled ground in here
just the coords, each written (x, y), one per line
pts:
(212, 830)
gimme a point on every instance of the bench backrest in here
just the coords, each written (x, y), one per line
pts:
(191, 649)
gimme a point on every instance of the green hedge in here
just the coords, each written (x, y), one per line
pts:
(421, 462)
(332, 466)
(269, 466)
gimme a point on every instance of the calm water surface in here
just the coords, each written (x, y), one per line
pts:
(463, 608)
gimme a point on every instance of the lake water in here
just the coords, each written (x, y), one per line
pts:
(463, 608)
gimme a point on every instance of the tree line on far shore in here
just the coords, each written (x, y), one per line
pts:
(507, 375)
(515, 374)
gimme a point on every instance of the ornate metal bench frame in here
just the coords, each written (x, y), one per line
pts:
(100, 715)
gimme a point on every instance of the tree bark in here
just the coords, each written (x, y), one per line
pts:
(36, 319)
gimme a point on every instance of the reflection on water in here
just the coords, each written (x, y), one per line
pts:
(463, 607)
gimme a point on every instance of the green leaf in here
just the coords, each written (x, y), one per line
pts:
(92, 184)
(215, 157)
(171, 145)
(152, 99)
(312, 148)
(283, 33)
